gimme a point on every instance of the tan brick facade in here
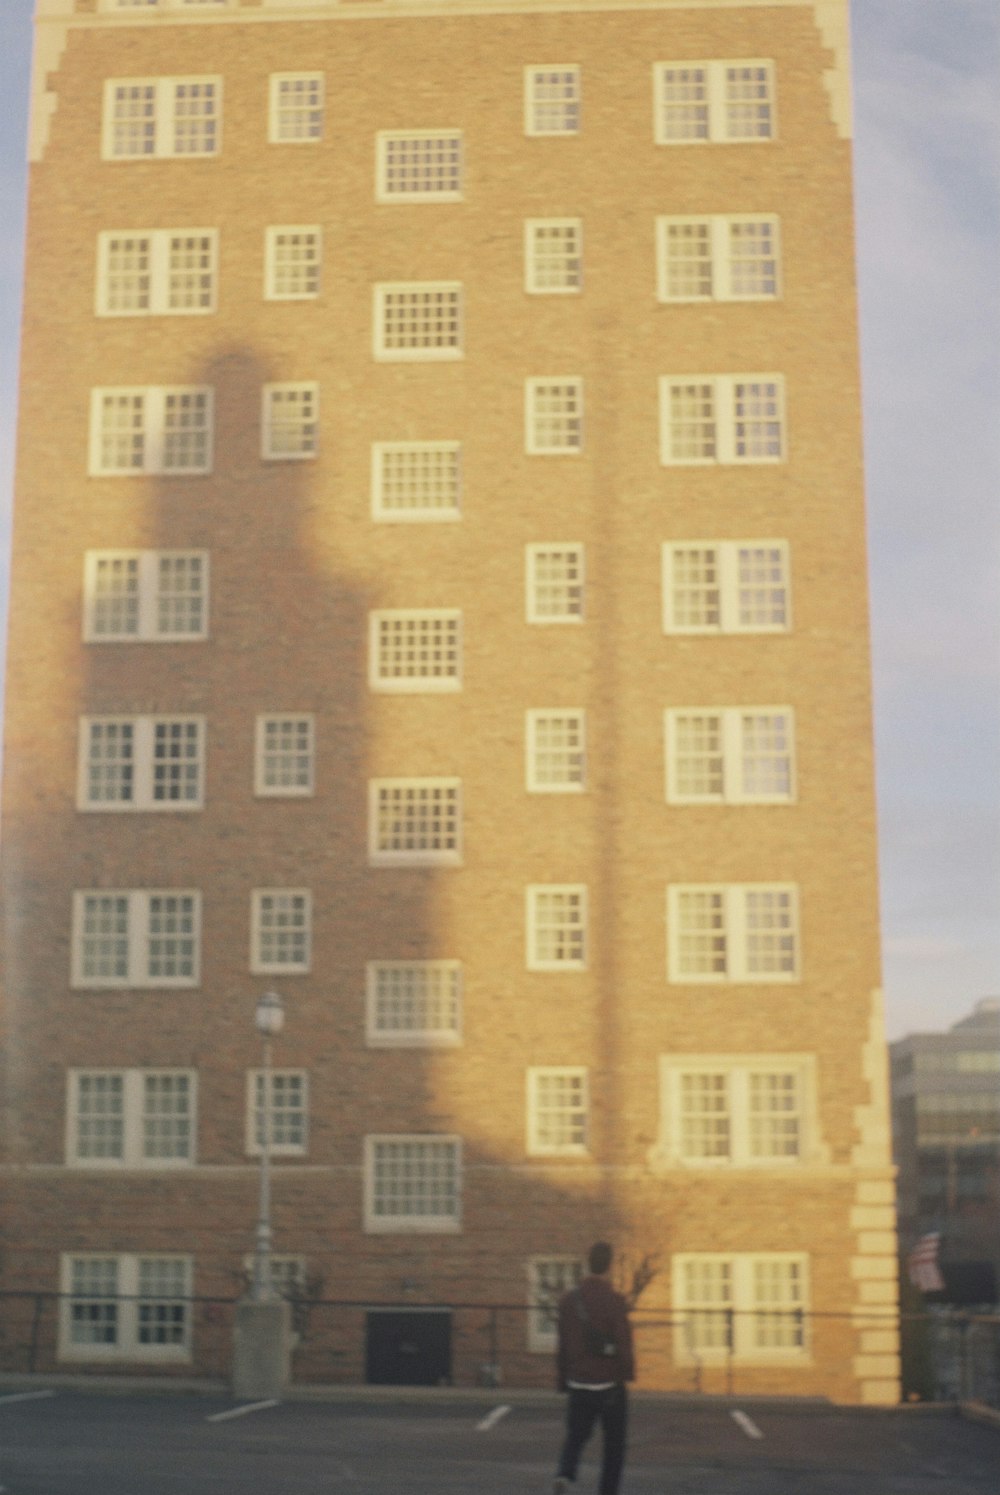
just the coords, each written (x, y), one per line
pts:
(297, 564)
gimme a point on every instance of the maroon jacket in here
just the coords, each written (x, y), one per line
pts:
(608, 1312)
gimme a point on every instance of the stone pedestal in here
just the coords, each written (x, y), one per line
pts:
(262, 1350)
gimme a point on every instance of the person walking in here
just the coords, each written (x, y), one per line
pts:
(594, 1359)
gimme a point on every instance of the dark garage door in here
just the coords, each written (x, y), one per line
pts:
(409, 1347)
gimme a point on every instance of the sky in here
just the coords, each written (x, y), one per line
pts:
(927, 191)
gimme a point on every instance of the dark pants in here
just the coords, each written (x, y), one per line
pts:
(585, 1408)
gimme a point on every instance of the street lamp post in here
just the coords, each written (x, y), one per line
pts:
(270, 1019)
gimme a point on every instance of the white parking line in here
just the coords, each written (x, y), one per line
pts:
(491, 1419)
(747, 1424)
(26, 1396)
(240, 1411)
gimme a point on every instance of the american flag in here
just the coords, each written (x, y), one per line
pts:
(922, 1263)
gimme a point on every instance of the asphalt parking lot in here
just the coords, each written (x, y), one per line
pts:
(69, 1442)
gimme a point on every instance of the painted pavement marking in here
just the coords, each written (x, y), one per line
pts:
(26, 1396)
(241, 1411)
(747, 1424)
(491, 1419)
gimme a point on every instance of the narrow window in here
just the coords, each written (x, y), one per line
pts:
(552, 99)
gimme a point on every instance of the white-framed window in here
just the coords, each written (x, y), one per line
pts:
(295, 108)
(555, 751)
(419, 319)
(718, 257)
(553, 416)
(556, 919)
(558, 1102)
(288, 1113)
(280, 931)
(284, 758)
(125, 1307)
(154, 430)
(554, 582)
(412, 1183)
(156, 272)
(553, 256)
(145, 118)
(728, 100)
(733, 932)
(418, 166)
(415, 649)
(413, 1003)
(136, 937)
(162, 4)
(738, 1110)
(289, 430)
(722, 418)
(141, 763)
(549, 1277)
(415, 822)
(750, 1306)
(552, 99)
(416, 480)
(293, 260)
(727, 586)
(131, 1118)
(730, 755)
(138, 596)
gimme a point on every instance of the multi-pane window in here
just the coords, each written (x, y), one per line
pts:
(717, 258)
(737, 754)
(162, 4)
(162, 431)
(418, 166)
(285, 751)
(413, 1183)
(556, 927)
(416, 480)
(418, 319)
(295, 116)
(141, 763)
(722, 100)
(125, 1308)
(289, 422)
(415, 649)
(140, 595)
(552, 99)
(131, 1118)
(293, 257)
(281, 930)
(149, 117)
(553, 416)
(135, 938)
(746, 1110)
(722, 418)
(555, 752)
(553, 256)
(734, 932)
(558, 1107)
(726, 586)
(750, 1307)
(287, 1115)
(549, 1277)
(159, 272)
(415, 822)
(413, 1003)
(554, 580)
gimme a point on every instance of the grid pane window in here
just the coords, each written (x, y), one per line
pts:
(554, 583)
(141, 763)
(288, 1115)
(762, 587)
(112, 590)
(181, 594)
(415, 821)
(296, 108)
(749, 108)
(186, 431)
(557, 928)
(110, 762)
(177, 755)
(685, 259)
(722, 418)
(718, 257)
(413, 1183)
(414, 1002)
(553, 249)
(720, 100)
(705, 1121)
(289, 428)
(732, 755)
(554, 416)
(699, 935)
(690, 420)
(131, 1118)
(131, 119)
(770, 932)
(196, 117)
(753, 258)
(682, 103)
(93, 1311)
(696, 744)
(122, 436)
(745, 1110)
(167, 1117)
(420, 166)
(557, 1111)
(103, 942)
(416, 650)
(162, 1317)
(418, 320)
(191, 272)
(126, 263)
(135, 938)
(758, 424)
(151, 430)
(706, 1295)
(156, 273)
(416, 480)
(282, 923)
(775, 1114)
(552, 100)
(285, 754)
(149, 117)
(555, 750)
(726, 587)
(125, 1308)
(548, 1279)
(766, 754)
(293, 258)
(172, 938)
(737, 932)
(100, 1117)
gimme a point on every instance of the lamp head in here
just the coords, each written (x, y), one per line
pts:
(270, 1014)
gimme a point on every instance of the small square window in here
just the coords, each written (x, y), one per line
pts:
(419, 649)
(284, 757)
(557, 927)
(553, 256)
(293, 258)
(558, 1107)
(414, 1003)
(413, 1183)
(419, 320)
(419, 166)
(296, 108)
(281, 922)
(552, 99)
(289, 427)
(416, 480)
(415, 822)
(555, 752)
(554, 416)
(554, 583)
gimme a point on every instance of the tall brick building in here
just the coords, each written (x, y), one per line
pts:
(439, 593)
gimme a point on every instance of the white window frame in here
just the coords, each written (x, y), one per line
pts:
(734, 932)
(725, 395)
(534, 894)
(535, 443)
(720, 256)
(447, 972)
(127, 1346)
(424, 857)
(738, 1069)
(717, 131)
(148, 596)
(137, 936)
(133, 1114)
(160, 242)
(535, 107)
(154, 399)
(299, 720)
(143, 764)
(429, 513)
(534, 723)
(112, 5)
(732, 729)
(533, 263)
(533, 582)
(254, 1112)
(536, 1147)
(164, 101)
(276, 108)
(384, 140)
(418, 352)
(744, 1349)
(727, 562)
(379, 1224)
(258, 965)
(307, 395)
(272, 235)
(543, 1299)
(435, 683)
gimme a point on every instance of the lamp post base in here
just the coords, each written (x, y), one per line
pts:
(262, 1350)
